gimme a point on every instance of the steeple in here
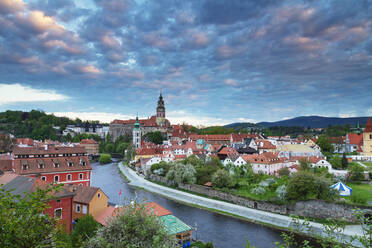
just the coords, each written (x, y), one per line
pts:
(358, 129)
(160, 110)
(137, 134)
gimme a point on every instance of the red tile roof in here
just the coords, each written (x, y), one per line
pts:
(264, 144)
(356, 139)
(151, 122)
(49, 164)
(264, 158)
(210, 137)
(88, 141)
(156, 209)
(84, 194)
(51, 150)
(228, 151)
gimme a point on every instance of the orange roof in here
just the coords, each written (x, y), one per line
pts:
(264, 144)
(211, 137)
(156, 209)
(264, 158)
(151, 122)
(7, 177)
(105, 215)
(228, 151)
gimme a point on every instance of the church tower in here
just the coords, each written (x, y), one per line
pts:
(137, 134)
(367, 139)
(160, 111)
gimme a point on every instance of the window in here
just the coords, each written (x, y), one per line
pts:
(43, 178)
(370, 136)
(78, 208)
(69, 177)
(40, 166)
(56, 178)
(84, 209)
(99, 195)
(58, 213)
(80, 184)
(70, 164)
(25, 167)
(58, 201)
(56, 164)
(81, 176)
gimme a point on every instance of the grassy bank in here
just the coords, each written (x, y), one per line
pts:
(122, 174)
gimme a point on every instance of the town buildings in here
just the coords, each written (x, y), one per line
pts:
(59, 164)
(157, 122)
(87, 128)
(367, 139)
(91, 146)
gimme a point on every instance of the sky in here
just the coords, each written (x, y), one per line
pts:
(216, 62)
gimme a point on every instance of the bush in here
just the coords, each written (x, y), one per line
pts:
(336, 162)
(84, 229)
(133, 227)
(258, 190)
(284, 172)
(181, 173)
(104, 158)
(267, 182)
(304, 186)
(160, 169)
(356, 173)
(221, 178)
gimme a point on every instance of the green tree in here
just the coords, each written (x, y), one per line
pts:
(344, 162)
(284, 172)
(109, 148)
(133, 227)
(83, 230)
(221, 178)
(181, 173)
(324, 144)
(22, 222)
(154, 137)
(336, 162)
(104, 158)
(304, 164)
(304, 185)
(356, 173)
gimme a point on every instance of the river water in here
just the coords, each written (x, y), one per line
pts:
(223, 231)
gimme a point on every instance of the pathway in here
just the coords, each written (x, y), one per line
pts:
(277, 220)
(361, 164)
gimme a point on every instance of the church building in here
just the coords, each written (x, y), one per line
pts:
(367, 139)
(156, 122)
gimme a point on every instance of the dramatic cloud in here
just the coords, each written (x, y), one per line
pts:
(215, 61)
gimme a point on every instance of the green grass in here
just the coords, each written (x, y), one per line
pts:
(369, 164)
(363, 190)
(122, 174)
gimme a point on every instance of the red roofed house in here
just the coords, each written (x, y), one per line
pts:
(267, 162)
(354, 142)
(59, 207)
(25, 142)
(225, 152)
(265, 146)
(69, 165)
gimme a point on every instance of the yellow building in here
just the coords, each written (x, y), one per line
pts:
(88, 200)
(367, 139)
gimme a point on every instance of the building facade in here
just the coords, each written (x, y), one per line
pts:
(91, 146)
(68, 165)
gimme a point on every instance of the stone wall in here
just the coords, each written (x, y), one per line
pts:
(312, 208)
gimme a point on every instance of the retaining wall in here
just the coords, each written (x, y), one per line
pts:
(311, 208)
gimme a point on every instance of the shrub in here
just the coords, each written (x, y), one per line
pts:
(221, 179)
(258, 190)
(284, 172)
(336, 162)
(160, 169)
(133, 227)
(267, 182)
(304, 185)
(104, 158)
(356, 173)
(84, 229)
(281, 192)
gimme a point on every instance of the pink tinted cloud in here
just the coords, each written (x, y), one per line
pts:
(226, 52)
(200, 39)
(11, 6)
(231, 82)
(158, 41)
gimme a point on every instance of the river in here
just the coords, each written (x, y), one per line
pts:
(223, 231)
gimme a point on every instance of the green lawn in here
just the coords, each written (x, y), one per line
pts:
(367, 163)
(363, 190)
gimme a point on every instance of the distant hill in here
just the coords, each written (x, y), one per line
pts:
(302, 121)
(243, 125)
(316, 121)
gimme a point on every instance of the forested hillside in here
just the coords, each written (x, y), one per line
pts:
(35, 124)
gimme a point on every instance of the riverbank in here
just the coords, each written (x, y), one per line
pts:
(274, 220)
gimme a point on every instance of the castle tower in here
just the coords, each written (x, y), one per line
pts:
(367, 139)
(137, 134)
(160, 111)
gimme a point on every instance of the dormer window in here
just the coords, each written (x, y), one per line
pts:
(82, 162)
(70, 163)
(55, 163)
(40, 165)
(25, 165)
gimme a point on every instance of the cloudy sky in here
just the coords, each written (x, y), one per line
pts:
(216, 62)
